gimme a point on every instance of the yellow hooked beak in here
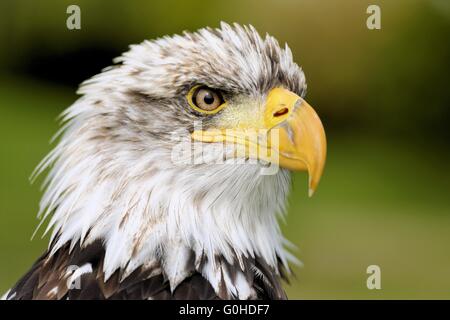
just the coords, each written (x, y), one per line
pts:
(289, 133)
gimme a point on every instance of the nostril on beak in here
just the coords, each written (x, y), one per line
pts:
(281, 112)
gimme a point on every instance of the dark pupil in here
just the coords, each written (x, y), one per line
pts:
(208, 98)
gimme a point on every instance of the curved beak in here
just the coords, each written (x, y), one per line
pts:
(302, 142)
(293, 136)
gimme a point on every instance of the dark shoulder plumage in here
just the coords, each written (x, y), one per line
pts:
(49, 279)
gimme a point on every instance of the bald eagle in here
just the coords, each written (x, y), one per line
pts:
(153, 190)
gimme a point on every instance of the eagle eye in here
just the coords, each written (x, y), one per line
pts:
(205, 100)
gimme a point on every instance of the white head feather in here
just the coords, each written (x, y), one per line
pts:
(112, 177)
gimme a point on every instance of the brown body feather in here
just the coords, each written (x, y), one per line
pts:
(48, 280)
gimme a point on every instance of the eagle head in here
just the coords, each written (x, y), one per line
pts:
(178, 158)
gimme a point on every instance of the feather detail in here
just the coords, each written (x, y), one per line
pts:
(178, 263)
(4, 297)
(53, 277)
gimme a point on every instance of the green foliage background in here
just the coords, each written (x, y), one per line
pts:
(383, 96)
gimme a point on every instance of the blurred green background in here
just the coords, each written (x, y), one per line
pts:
(383, 95)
